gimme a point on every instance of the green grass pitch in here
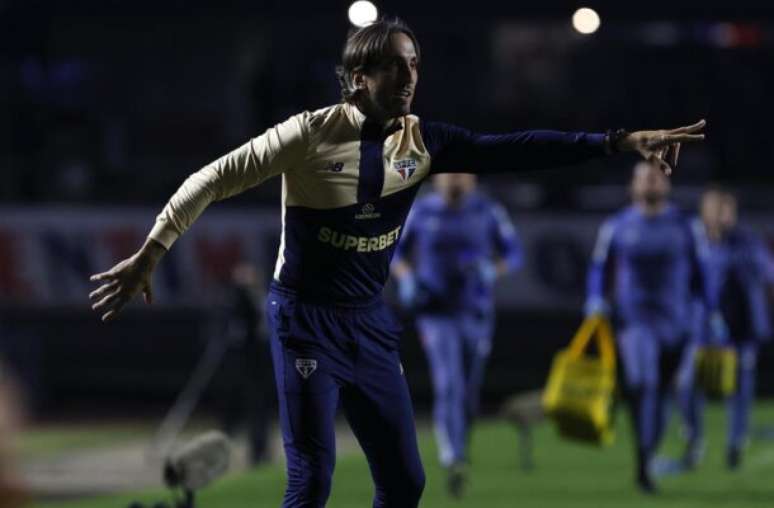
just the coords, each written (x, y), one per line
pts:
(565, 475)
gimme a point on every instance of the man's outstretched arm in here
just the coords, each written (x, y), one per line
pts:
(401, 266)
(597, 278)
(279, 149)
(506, 241)
(455, 149)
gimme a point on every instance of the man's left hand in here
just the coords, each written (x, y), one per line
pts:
(661, 147)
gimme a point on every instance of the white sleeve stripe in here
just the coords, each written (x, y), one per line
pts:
(604, 241)
(281, 254)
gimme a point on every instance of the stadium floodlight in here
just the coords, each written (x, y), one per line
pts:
(585, 20)
(362, 13)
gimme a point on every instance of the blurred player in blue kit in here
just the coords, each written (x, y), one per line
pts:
(455, 244)
(648, 254)
(350, 173)
(738, 271)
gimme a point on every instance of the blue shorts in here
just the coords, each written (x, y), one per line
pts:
(329, 355)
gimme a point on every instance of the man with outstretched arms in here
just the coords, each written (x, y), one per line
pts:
(349, 174)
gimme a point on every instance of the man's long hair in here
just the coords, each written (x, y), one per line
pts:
(365, 48)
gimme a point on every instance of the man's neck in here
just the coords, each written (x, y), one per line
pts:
(651, 209)
(719, 233)
(714, 234)
(372, 115)
(455, 202)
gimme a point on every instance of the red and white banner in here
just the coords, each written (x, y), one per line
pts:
(47, 255)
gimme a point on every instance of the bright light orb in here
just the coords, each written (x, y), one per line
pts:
(362, 13)
(585, 20)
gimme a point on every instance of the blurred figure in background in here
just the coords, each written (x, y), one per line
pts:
(246, 367)
(648, 252)
(12, 494)
(737, 267)
(455, 244)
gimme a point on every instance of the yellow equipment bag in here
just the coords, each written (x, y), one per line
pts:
(716, 370)
(580, 389)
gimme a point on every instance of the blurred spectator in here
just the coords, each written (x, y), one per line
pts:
(645, 270)
(736, 266)
(246, 367)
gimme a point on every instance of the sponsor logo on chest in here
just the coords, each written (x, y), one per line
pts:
(368, 212)
(358, 243)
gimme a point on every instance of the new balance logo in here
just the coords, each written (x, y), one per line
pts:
(306, 367)
(334, 167)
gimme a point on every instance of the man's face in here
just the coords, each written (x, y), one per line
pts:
(712, 210)
(728, 212)
(649, 184)
(454, 186)
(389, 87)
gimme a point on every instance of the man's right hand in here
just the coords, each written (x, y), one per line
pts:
(596, 305)
(719, 333)
(127, 278)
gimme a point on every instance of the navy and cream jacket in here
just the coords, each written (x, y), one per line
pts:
(348, 184)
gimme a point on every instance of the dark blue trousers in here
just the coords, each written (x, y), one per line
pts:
(325, 356)
(457, 347)
(650, 369)
(738, 405)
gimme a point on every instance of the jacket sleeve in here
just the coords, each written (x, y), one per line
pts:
(457, 150)
(506, 239)
(699, 251)
(280, 149)
(762, 259)
(405, 249)
(598, 278)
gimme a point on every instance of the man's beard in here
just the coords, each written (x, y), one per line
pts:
(653, 198)
(454, 196)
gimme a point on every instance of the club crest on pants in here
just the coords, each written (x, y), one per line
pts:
(306, 366)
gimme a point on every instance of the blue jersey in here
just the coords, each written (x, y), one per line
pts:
(347, 187)
(655, 268)
(448, 247)
(737, 269)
